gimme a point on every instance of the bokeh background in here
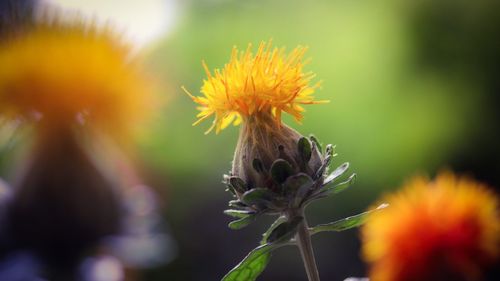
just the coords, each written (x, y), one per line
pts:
(414, 88)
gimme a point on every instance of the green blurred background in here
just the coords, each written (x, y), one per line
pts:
(413, 87)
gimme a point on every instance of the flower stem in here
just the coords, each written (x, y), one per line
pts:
(306, 250)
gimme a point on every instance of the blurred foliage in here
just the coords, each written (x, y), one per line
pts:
(388, 116)
(413, 87)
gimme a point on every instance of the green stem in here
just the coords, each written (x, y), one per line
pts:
(306, 250)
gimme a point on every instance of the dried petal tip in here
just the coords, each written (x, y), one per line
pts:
(269, 82)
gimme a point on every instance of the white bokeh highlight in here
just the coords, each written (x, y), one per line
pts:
(141, 21)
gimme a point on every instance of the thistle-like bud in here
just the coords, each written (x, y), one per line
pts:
(285, 175)
(274, 168)
(268, 152)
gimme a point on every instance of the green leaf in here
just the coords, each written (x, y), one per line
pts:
(281, 170)
(229, 188)
(275, 224)
(238, 184)
(326, 161)
(331, 190)
(258, 196)
(329, 150)
(238, 213)
(347, 223)
(237, 204)
(305, 150)
(285, 231)
(335, 189)
(256, 261)
(239, 224)
(252, 265)
(335, 174)
(315, 142)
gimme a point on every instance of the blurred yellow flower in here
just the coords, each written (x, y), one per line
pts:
(71, 72)
(447, 229)
(269, 82)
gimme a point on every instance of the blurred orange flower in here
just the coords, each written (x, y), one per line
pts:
(68, 72)
(446, 229)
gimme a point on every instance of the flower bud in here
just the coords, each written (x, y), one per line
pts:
(261, 143)
(273, 164)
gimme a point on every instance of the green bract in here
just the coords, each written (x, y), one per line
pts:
(289, 187)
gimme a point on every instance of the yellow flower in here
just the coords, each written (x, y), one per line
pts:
(268, 82)
(447, 229)
(73, 73)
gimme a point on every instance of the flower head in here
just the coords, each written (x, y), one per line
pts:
(446, 229)
(269, 82)
(70, 72)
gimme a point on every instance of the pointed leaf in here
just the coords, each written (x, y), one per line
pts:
(238, 184)
(275, 224)
(305, 150)
(316, 143)
(252, 265)
(229, 187)
(329, 150)
(285, 231)
(237, 204)
(340, 186)
(326, 161)
(281, 170)
(331, 190)
(335, 174)
(239, 224)
(347, 223)
(238, 213)
(260, 197)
